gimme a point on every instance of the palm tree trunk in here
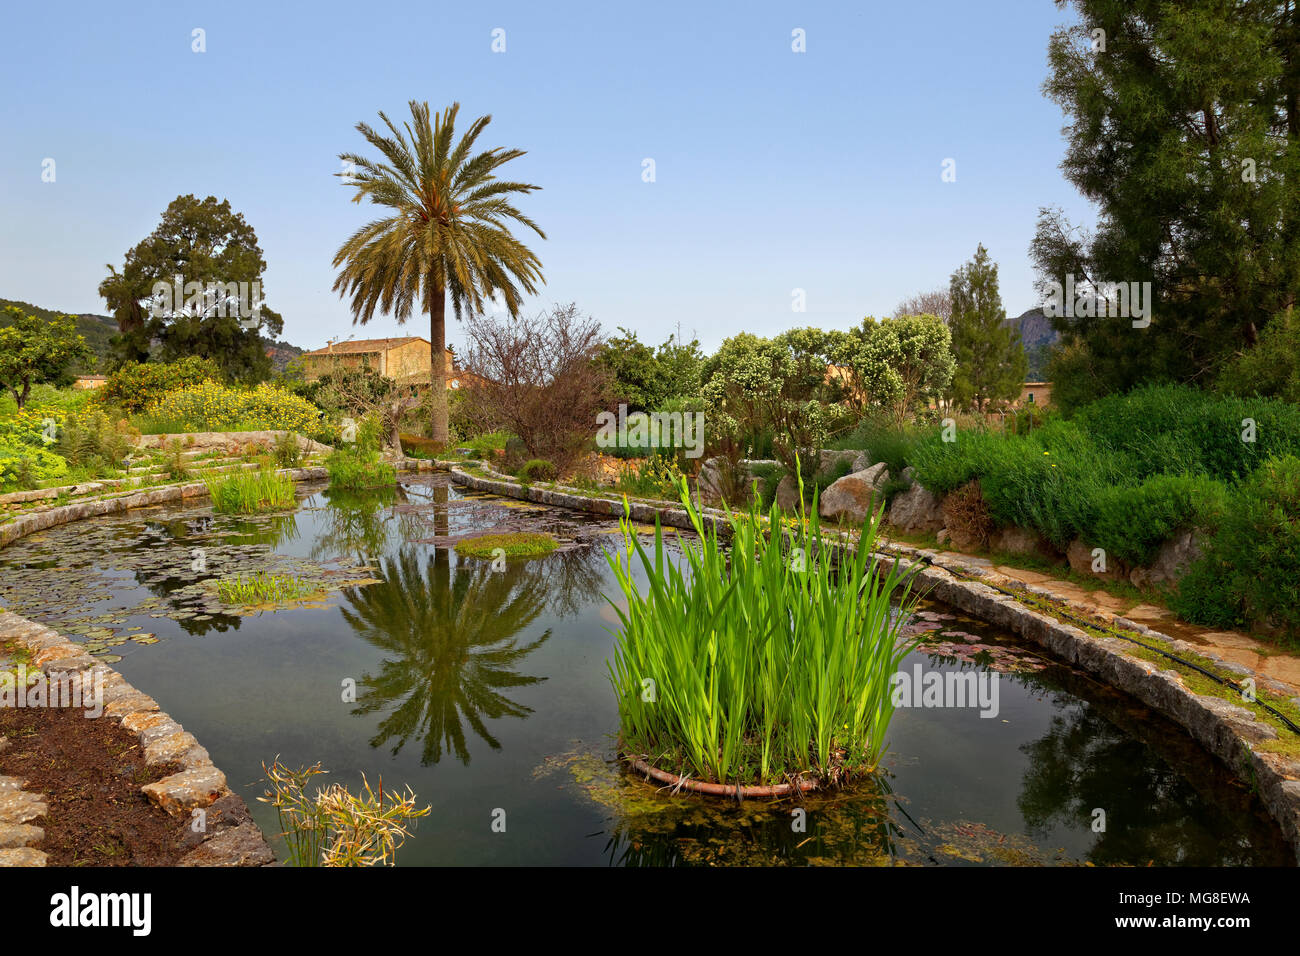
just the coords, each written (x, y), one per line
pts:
(438, 362)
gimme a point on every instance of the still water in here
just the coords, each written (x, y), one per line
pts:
(487, 693)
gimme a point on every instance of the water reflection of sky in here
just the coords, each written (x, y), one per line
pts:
(488, 692)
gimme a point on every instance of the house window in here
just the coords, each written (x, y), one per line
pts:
(1030, 399)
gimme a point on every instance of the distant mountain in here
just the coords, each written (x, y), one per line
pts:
(99, 329)
(1037, 336)
(281, 353)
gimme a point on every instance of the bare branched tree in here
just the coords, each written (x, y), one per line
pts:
(937, 302)
(537, 378)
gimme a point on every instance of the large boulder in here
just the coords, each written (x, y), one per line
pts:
(855, 497)
(1172, 560)
(709, 482)
(915, 509)
(787, 494)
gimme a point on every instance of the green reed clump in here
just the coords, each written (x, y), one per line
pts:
(757, 662)
(248, 492)
(263, 588)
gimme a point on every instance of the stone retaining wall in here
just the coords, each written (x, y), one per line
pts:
(1228, 731)
(227, 835)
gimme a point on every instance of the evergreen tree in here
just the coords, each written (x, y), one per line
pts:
(991, 364)
(1183, 126)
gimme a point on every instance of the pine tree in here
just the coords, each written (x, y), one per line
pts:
(1183, 127)
(991, 363)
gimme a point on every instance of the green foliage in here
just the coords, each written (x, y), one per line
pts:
(991, 363)
(900, 363)
(174, 463)
(884, 439)
(94, 441)
(97, 330)
(249, 492)
(1250, 571)
(137, 385)
(776, 393)
(356, 465)
(286, 451)
(1271, 368)
(647, 379)
(767, 478)
(1183, 133)
(538, 469)
(209, 245)
(765, 661)
(35, 350)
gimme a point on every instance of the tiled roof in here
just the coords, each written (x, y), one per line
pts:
(362, 346)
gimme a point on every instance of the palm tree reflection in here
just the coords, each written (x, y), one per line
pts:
(452, 637)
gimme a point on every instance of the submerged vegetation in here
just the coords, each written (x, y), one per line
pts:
(518, 544)
(761, 661)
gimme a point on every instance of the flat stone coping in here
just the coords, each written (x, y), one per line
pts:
(221, 831)
(228, 836)
(1230, 732)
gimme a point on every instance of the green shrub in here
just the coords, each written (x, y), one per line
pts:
(209, 406)
(356, 466)
(767, 478)
(286, 450)
(1250, 571)
(137, 385)
(885, 440)
(93, 441)
(538, 470)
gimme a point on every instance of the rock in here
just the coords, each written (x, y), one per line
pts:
(242, 845)
(709, 482)
(24, 856)
(855, 497)
(787, 494)
(1081, 561)
(1171, 562)
(941, 537)
(182, 792)
(17, 836)
(915, 509)
(227, 442)
(20, 806)
(1015, 540)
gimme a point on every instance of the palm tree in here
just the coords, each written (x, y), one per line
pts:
(448, 232)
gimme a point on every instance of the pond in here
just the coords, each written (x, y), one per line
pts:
(486, 691)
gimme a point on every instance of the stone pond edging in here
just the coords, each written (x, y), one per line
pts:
(229, 837)
(1226, 730)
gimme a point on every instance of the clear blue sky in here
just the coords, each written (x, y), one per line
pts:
(774, 170)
